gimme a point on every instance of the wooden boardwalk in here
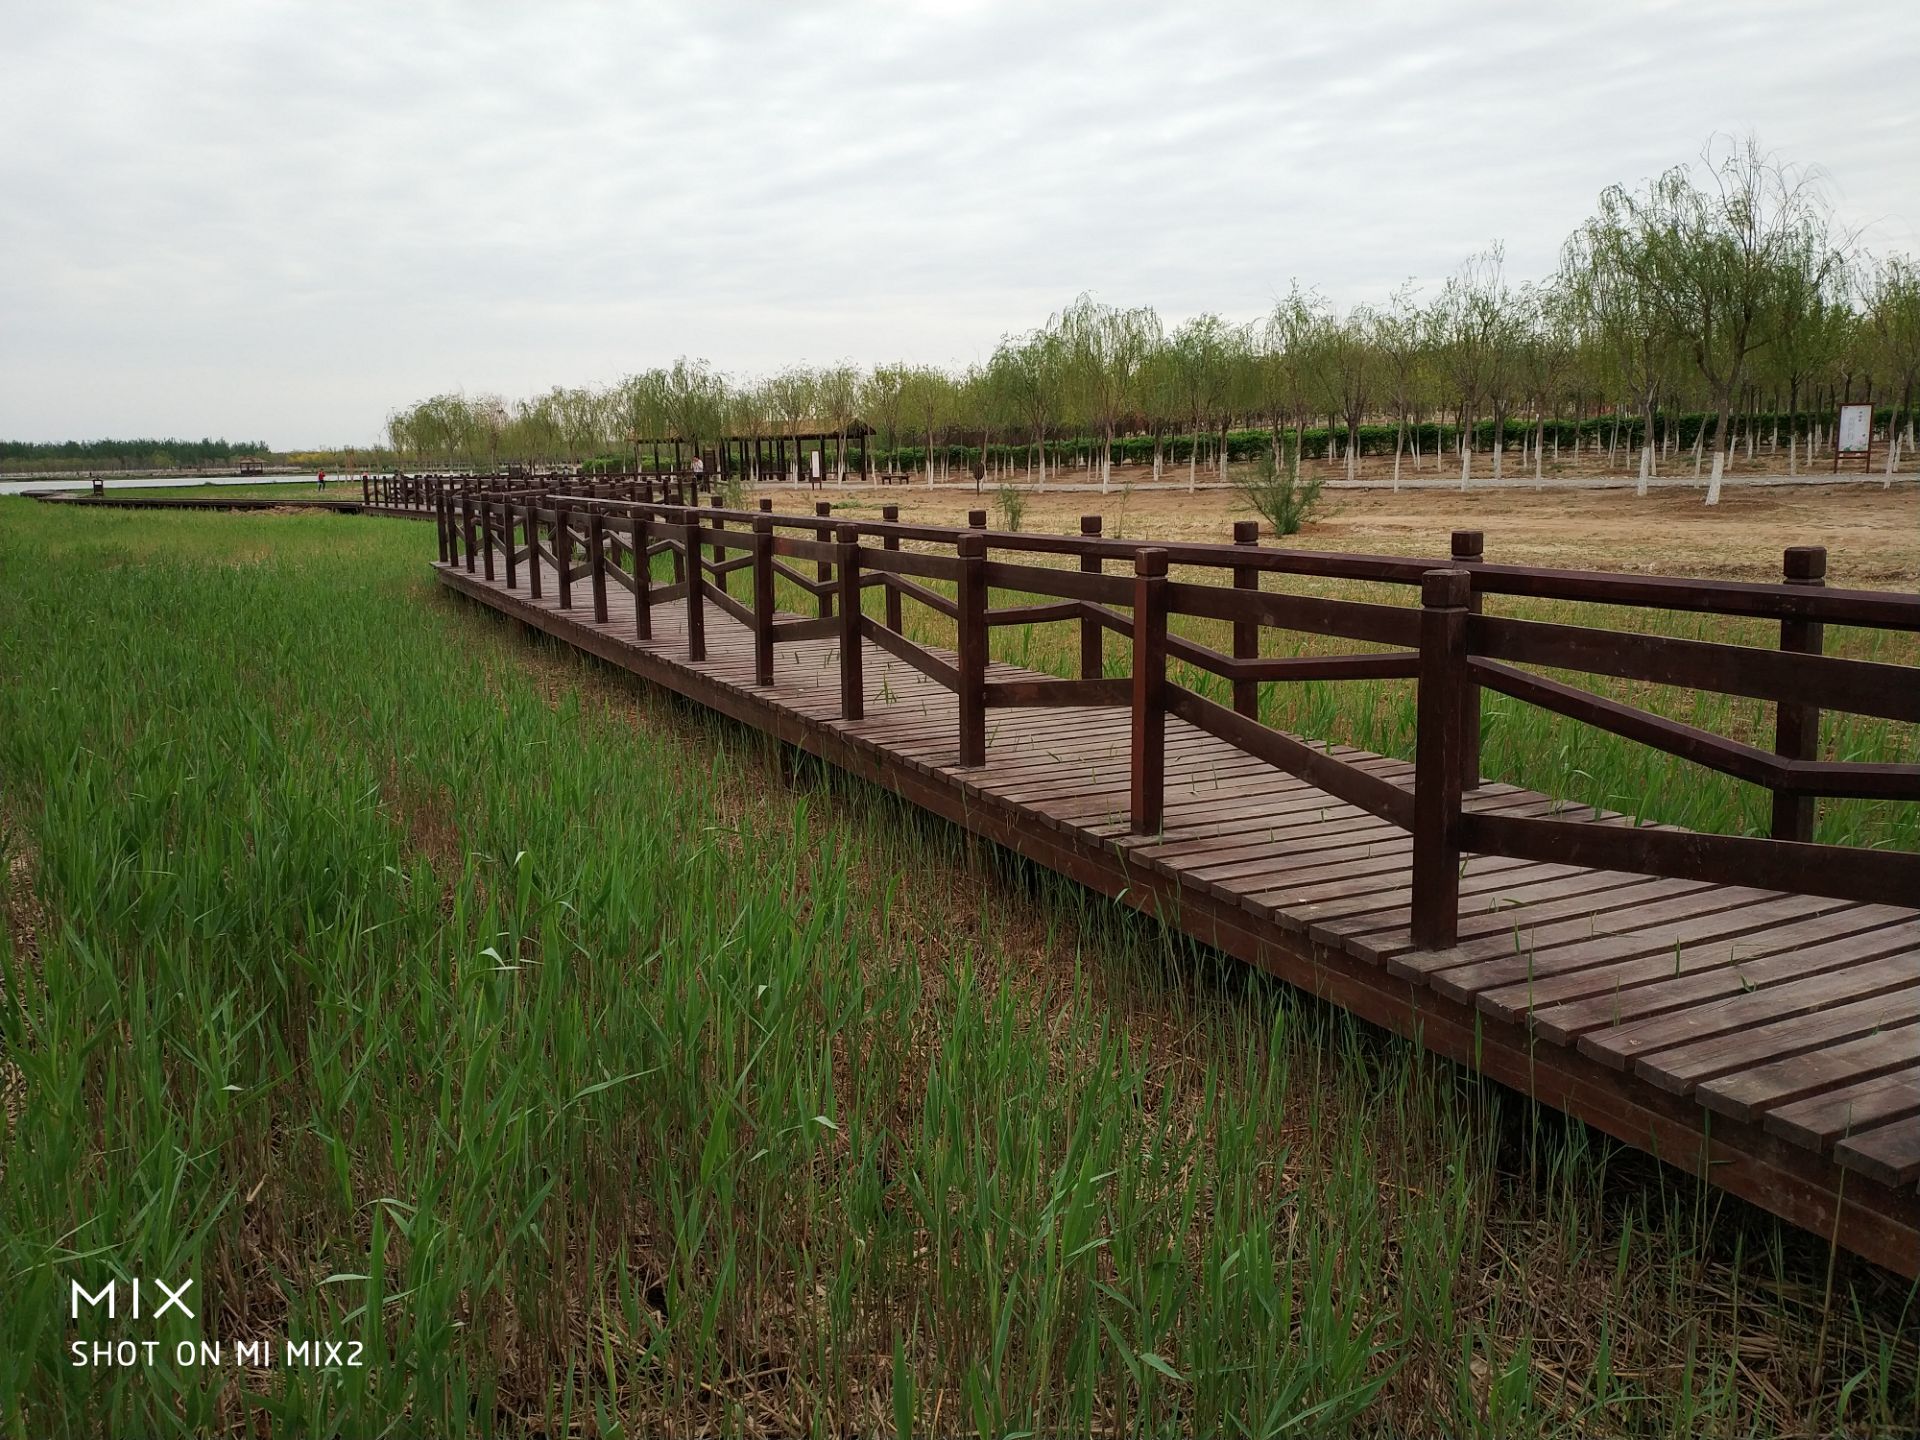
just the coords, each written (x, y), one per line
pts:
(1767, 1040)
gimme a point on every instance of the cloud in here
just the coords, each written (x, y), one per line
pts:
(285, 219)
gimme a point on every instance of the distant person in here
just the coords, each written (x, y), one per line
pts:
(321, 479)
(699, 469)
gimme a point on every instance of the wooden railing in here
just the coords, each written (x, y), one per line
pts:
(421, 494)
(1446, 645)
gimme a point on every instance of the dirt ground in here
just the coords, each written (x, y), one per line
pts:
(1872, 534)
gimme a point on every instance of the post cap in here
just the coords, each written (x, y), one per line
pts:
(766, 505)
(847, 533)
(1150, 562)
(1246, 532)
(889, 512)
(1089, 524)
(1804, 563)
(1469, 544)
(823, 507)
(973, 546)
(1446, 589)
(977, 519)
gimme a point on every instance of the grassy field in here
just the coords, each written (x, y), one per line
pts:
(404, 980)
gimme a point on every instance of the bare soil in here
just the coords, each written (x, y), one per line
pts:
(1872, 534)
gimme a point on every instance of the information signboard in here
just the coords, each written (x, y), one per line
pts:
(1856, 429)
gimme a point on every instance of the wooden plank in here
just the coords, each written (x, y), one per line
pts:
(1637, 989)
(1820, 1120)
(1889, 1154)
(1623, 1045)
(1680, 1069)
(1744, 1094)
(1702, 916)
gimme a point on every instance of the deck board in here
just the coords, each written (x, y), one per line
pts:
(1638, 1003)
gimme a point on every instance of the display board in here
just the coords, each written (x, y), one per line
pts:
(1856, 429)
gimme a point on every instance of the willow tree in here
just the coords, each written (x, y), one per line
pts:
(1104, 350)
(1630, 331)
(883, 395)
(1199, 358)
(1399, 343)
(792, 394)
(929, 400)
(750, 417)
(1291, 358)
(837, 399)
(1353, 372)
(1711, 258)
(1031, 371)
(1893, 322)
(1475, 326)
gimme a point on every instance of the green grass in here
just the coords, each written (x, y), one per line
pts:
(406, 980)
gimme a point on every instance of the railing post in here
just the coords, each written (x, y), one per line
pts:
(696, 606)
(1246, 633)
(973, 649)
(513, 557)
(1093, 664)
(466, 528)
(822, 571)
(535, 583)
(642, 576)
(1441, 716)
(891, 514)
(763, 600)
(597, 564)
(976, 519)
(719, 554)
(1149, 760)
(441, 530)
(563, 555)
(486, 538)
(1797, 724)
(1470, 547)
(853, 694)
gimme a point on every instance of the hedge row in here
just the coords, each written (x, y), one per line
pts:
(1374, 439)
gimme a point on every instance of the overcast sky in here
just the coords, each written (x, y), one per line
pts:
(279, 221)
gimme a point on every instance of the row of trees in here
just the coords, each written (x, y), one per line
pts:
(124, 454)
(1723, 290)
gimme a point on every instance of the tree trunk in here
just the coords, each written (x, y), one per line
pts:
(1721, 443)
(1193, 456)
(1399, 442)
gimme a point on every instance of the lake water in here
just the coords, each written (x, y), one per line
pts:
(336, 481)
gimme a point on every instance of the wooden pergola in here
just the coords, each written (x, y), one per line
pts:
(746, 454)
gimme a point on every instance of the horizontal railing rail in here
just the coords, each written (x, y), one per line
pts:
(1445, 645)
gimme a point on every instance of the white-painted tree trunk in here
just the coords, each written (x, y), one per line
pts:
(1398, 442)
(1793, 453)
(1719, 467)
(1646, 468)
(1466, 464)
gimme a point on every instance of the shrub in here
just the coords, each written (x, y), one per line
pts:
(1277, 492)
(1011, 501)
